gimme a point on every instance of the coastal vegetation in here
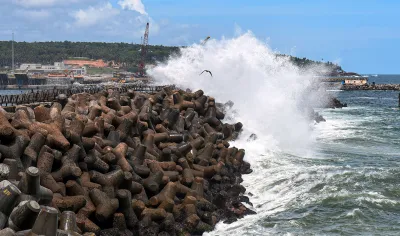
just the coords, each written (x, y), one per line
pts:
(125, 54)
(304, 63)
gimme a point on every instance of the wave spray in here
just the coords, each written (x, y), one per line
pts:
(268, 93)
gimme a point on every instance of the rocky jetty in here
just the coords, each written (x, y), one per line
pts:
(313, 115)
(116, 163)
(373, 86)
(327, 102)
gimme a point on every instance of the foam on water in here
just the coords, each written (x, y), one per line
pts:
(265, 88)
(303, 176)
(266, 91)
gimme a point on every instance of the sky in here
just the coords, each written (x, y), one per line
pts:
(360, 35)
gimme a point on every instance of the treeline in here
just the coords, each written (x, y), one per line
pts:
(306, 63)
(126, 54)
(49, 52)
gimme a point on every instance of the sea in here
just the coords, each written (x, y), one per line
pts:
(339, 177)
(14, 91)
(349, 184)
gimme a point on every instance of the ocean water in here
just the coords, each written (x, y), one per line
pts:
(340, 177)
(347, 185)
(383, 79)
(13, 92)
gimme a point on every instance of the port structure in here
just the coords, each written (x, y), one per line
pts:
(143, 55)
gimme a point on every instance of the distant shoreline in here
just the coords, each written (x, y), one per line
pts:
(392, 87)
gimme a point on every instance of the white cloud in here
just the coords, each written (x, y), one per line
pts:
(238, 30)
(101, 20)
(164, 22)
(187, 26)
(134, 5)
(34, 3)
(142, 19)
(45, 3)
(181, 39)
(337, 61)
(184, 26)
(94, 15)
(155, 28)
(140, 22)
(33, 14)
(293, 51)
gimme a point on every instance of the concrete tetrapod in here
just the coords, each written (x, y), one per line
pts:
(120, 162)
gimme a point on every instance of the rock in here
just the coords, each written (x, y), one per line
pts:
(127, 163)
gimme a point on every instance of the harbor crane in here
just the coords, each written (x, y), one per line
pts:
(143, 50)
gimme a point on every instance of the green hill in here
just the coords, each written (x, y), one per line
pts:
(50, 52)
(125, 53)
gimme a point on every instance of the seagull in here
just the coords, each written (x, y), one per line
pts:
(207, 71)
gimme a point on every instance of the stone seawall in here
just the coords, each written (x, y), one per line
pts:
(393, 87)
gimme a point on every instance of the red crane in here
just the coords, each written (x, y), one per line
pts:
(144, 51)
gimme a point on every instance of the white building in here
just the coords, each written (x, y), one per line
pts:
(58, 67)
(356, 81)
(30, 66)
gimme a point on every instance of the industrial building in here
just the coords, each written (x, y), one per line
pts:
(89, 63)
(356, 81)
(57, 68)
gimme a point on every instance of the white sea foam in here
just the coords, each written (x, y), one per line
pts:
(266, 91)
(354, 212)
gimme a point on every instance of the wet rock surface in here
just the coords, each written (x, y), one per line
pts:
(335, 103)
(117, 163)
(372, 86)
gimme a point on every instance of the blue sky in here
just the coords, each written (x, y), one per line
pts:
(362, 36)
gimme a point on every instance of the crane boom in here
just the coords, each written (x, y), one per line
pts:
(144, 50)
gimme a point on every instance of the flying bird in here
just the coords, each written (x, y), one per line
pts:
(207, 71)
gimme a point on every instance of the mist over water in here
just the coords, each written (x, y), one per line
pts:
(265, 88)
(334, 178)
(267, 92)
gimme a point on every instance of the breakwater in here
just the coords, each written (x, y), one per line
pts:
(50, 95)
(120, 162)
(394, 87)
